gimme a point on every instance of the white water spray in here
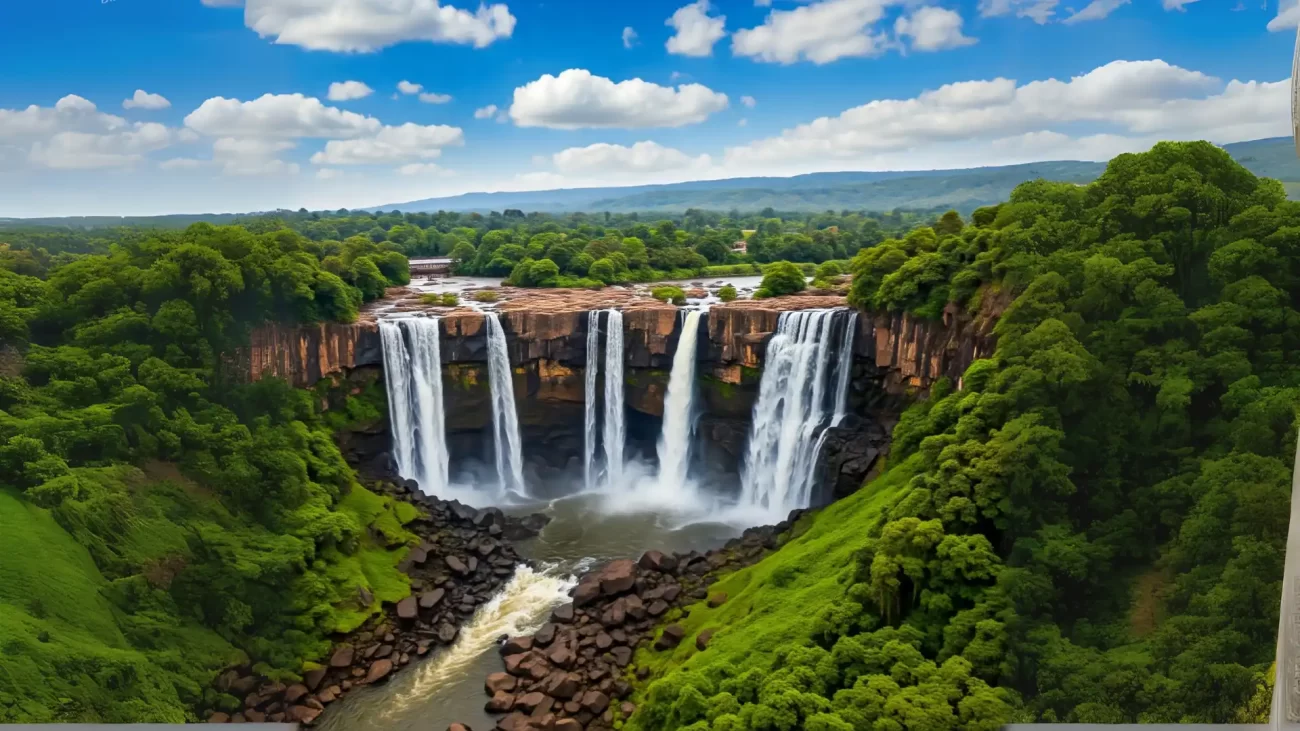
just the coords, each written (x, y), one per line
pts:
(674, 446)
(505, 422)
(843, 369)
(413, 374)
(589, 418)
(519, 608)
(791, 408)
(615, 416)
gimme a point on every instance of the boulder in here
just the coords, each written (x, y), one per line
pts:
(586, 592)
(408, 608)
(717, 600)
(702, 639)
(657, 561)
(622, 656)
(670, 637)
(617, 577)
(514, 722)
(342, 657)
(634, 607)
(545, 635)
(417, 555)
(500, 702)
(430, 599)
(563, 614)
(219, 717)
(657, 607)
(604, 641)
(313, 678)
(500, 681)
(561, 656)
(567, 724)
(295, 692)
(529, 701)
(459, 727)
(562, 685)
(301, 714)
(593, 701)
(516, 645)
(379, 670)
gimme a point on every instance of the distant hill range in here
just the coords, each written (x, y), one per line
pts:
(964, 190)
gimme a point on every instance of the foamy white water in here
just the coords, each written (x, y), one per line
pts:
(589, 417)
(615, 417)
(791, 408)
(413, 374)
(505, 421)
(674, 447)
(520, 608)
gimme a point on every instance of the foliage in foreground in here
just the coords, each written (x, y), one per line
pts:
(1092, 529)
(157, 522)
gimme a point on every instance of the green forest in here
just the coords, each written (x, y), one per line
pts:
(1092, 528)
(159, 522)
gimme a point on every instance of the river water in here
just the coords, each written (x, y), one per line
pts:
(447, 686)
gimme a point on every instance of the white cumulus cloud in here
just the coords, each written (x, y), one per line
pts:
(409, 87)
(142, 99)
(576, 99)
(1288, 16)
(391, 145)
(75, 135)
(1135, 102)
(277, 116)
(695, 31)
(341, 91)
(423, 168)
(487, 112)
(821, 32)
(642, 157)
(252, 156)
(1039, 11)
(629, 37)
(748, 101)
(933, 29)
(1095, 10)
(434, 98)
(369, 25)
(1178, 4)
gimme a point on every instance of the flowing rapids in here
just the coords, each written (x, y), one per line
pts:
(589, 417)
(413, 364)
(615, 417)
(505, 422)
(843, 370)
(518, 609)
(792, 407)
(674, 448)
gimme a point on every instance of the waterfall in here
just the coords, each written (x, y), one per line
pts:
(843, 369)
(413, 374)
(615, 416)
(675, 439)
(791, 408)
(589, 418)
(505, 422)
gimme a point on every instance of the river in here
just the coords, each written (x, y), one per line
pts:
(447, 687)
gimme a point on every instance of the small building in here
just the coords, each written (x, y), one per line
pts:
(431, 267)
(740, 247)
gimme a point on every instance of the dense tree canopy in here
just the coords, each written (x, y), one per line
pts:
(192, 522)
(1091, 528)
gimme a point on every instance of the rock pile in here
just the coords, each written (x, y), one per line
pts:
(464, 557)
(572, 674)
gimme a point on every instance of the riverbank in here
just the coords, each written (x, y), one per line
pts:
(463, 559)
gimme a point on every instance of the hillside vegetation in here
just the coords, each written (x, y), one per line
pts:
(157, 522)
(1092, 529)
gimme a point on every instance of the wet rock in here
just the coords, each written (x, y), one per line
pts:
(408, 608)
(672, 592)
(294, 693)
(313, 678)
(567, 724)
(417, 555)
(342, 657)
(634, 607)
(604, 641)
(657, 607)
(500, 702)
(545, 635)
(488, 516)
(301, 714)
(614, 616)
(456, 565)
(459, 727)
(253, 715)
(702, 639)
(529, 701)
(562, 685)
(500, 681)
(219, 717)
(516, 721)
(563, 614)
(593, 701)
(717, 600)
(622, 656)
(657, 561)
(586, 592)
(430, 599)
(670, 638)
(447, 633)
(516, 645)
(561, 656)
(617, 577)
(379, 670)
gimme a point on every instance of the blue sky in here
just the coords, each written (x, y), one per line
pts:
(235, 108)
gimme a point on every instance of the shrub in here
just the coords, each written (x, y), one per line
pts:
(781, 278)
(669, 293)
(829, 270)
(727, 293)
(450, 299)
(486, 295)
(445, 299)
(602, 270)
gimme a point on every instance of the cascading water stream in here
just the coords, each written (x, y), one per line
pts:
(843, 369)
(615, 416)
(675, 440)
(505, 422)
(413, 368)
(791, 407)
(589, 418)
